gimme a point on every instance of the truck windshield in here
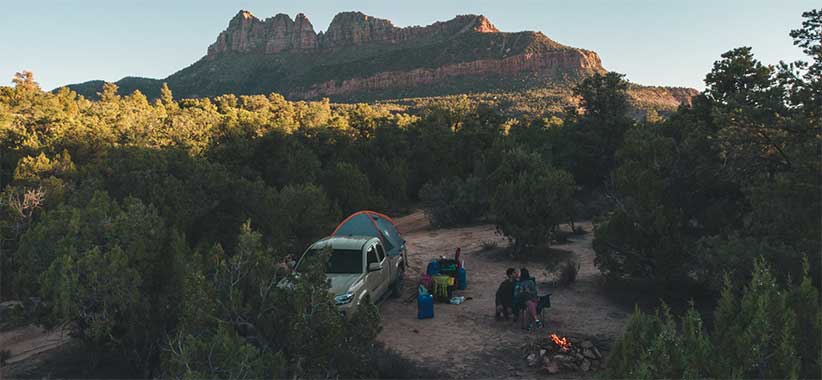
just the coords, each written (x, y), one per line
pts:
(342, 261)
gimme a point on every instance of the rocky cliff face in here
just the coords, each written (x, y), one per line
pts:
(248, 34)
(359, 53)
(550, 65)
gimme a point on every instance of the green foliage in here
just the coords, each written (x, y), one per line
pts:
(731, 178)
(755, 335)
(106, 270)
(531, 200)
(454, 201)
(243, 317)
(350, 188)
(590, 140)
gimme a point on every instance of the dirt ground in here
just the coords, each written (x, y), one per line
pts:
(28, 345)
(465, 340)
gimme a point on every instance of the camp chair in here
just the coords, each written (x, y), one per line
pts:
(544, 303)
(441, 288)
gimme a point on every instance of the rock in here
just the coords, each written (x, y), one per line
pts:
(594, 363)
(551, 366)
(563, 358)
(532, 360)
(597, 353)
(587, 344)
(585, 366)
(352, 33)
(542, 352)
(248, 34)
(589, 354)
(570, 365)
(579, 356)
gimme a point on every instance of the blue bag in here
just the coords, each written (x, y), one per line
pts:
(433, 268)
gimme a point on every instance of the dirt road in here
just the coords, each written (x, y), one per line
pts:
(465, 340)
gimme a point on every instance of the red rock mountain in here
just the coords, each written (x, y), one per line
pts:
(360, 57)
(248, 34)
(364, 58)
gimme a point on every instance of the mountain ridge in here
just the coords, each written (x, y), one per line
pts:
(364, 58)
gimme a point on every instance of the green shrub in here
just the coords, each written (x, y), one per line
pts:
(242, 317)
(350, 189)
(488, 245)
(454, 201)
(755, 335)
(567, 272)
(528, 209)
(108, 270)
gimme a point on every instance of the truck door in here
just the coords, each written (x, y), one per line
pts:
(385, 273)
(373, 279)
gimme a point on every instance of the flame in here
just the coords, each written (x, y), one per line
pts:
(563, 342)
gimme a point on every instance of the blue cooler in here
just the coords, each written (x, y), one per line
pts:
(461, 279)
(425, 306)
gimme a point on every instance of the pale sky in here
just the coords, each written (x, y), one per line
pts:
(670, 43)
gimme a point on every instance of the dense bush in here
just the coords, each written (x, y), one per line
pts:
(110, 271)
(529, 205)
(454, 201)
(766, 331)
(239, 320)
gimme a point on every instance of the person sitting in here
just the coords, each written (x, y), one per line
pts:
(526, 292)
(505, 296)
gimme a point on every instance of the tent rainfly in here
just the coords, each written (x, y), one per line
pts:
(371, 223)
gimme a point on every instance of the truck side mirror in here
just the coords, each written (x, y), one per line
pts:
(373, 267)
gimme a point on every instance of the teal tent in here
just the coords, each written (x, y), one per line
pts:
(371, 223)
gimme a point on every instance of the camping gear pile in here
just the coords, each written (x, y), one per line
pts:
(442, 277)
(562, 354)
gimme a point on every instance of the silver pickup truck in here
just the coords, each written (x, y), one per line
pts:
(359, 270)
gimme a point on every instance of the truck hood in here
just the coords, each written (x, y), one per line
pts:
(341, 283)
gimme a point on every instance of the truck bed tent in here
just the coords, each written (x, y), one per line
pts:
(371, 223)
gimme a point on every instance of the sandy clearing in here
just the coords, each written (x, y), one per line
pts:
(465, 340)
(28, 345)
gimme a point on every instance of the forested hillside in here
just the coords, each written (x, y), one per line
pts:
(157, 232)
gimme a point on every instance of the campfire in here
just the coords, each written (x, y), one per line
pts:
(562, 343)
(558, 353)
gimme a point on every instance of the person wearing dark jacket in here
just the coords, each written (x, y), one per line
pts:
(505, 295)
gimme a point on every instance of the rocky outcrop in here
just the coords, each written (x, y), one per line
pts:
(248, 34)
(657, 97)
(551, 64)
(355, 28)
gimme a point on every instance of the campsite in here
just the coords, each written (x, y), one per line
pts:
(463, 341)
(264, 196)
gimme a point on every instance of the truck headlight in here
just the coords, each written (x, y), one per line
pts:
(344, 298)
